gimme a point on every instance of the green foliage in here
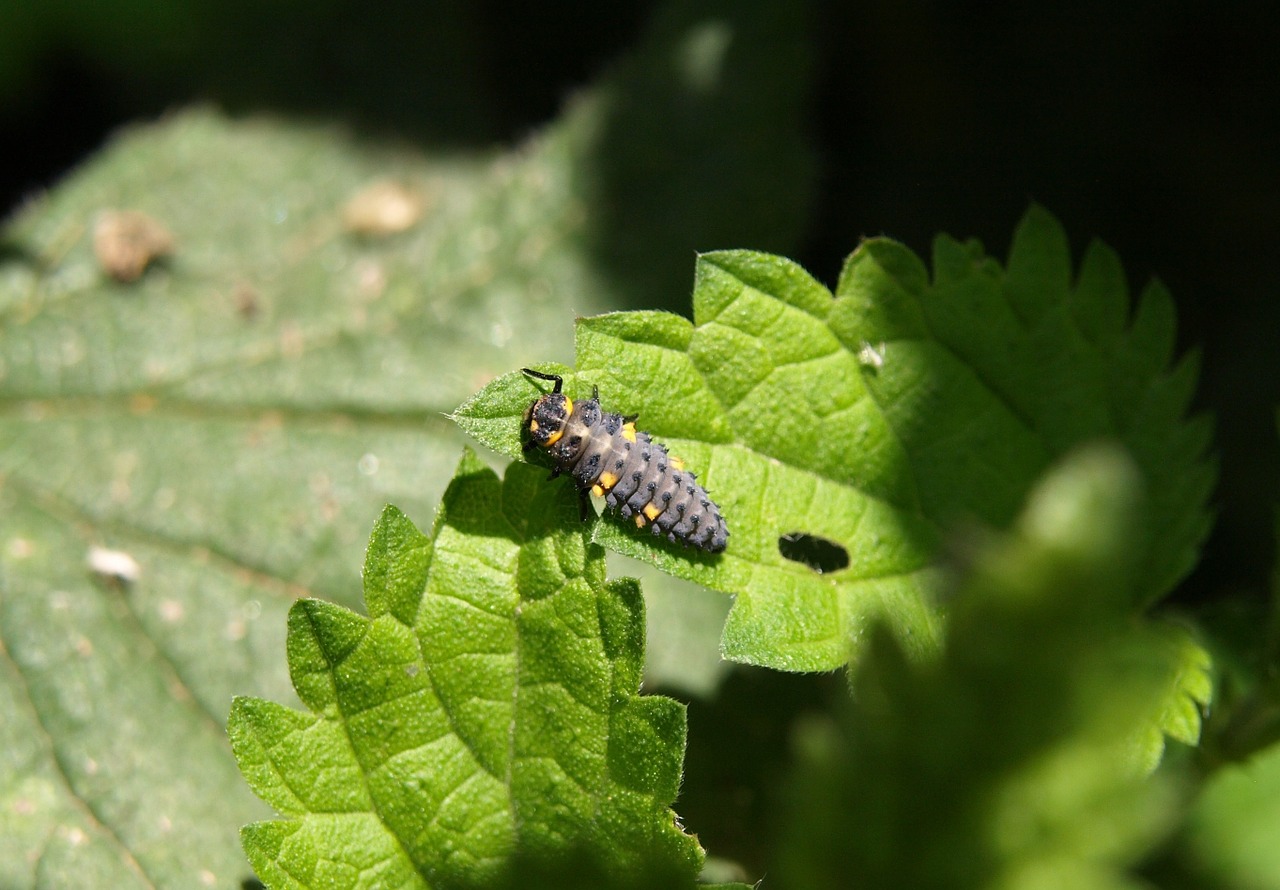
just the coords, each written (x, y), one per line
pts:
(487, 705)
(1007, 761)
(1229, 839)
(111, 774)
(878, 416)
(231, 421)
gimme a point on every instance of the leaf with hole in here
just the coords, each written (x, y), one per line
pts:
(982, 376)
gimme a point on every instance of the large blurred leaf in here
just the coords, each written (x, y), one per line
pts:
(1229, 840)
(877, 418)
(1008, 759)
(234, 420)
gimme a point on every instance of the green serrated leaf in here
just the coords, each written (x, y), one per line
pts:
(877, 418)
(487, 707)
(1014, 757)
(1190, 689)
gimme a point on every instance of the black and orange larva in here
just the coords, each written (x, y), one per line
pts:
(637, 476)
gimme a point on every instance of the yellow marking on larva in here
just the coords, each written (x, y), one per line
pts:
(604, 484)
(639, 517)
(629, 432)
(675, 463)
(553, 438)
(568, 406)
(533, 426)
(653, 511)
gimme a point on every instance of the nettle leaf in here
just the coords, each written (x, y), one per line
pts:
(1186, 697)
(844, 434)
(1018, 756)
(486, 708)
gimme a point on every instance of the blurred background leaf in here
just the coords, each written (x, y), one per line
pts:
(1009, 760)
(1229, 840)
(227, 427)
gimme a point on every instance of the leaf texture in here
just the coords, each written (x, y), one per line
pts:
(880, 417)
(487, 707)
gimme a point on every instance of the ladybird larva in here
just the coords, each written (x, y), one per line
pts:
(638, 478)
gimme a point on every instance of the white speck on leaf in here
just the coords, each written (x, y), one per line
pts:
(115, 564)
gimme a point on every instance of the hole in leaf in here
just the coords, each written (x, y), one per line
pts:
(817, 553)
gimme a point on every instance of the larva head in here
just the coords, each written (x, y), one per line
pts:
(547, 418)
(548, 415)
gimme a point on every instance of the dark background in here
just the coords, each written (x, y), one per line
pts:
(1150, 125)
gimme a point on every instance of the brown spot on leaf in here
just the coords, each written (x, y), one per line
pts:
(127, 241)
